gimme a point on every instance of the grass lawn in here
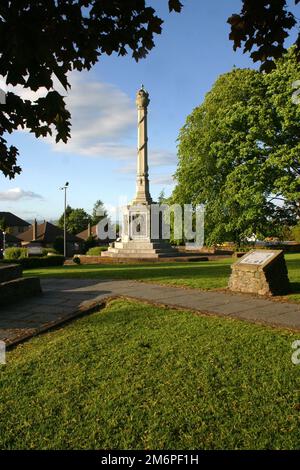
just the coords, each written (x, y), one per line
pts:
(201, 275)
(134, 376)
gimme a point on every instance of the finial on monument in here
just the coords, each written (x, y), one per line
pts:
(142, 98)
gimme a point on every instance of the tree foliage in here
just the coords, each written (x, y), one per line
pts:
(77, 220)
(239, 153)
(261, 28)
(43, 39)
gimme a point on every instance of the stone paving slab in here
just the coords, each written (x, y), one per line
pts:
(65, 299)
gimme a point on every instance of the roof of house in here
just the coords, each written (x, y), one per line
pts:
(85, 233)
(46, 233)
(12, 220)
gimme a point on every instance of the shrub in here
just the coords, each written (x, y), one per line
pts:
(49, 250)
(41, 262)
(296, 233)
(76, 260)
(15, 253)
(96, 251)
(90, 242)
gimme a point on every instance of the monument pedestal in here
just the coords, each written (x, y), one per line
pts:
(140, 250)
(136, 241)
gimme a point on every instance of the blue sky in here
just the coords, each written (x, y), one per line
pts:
(100, 160)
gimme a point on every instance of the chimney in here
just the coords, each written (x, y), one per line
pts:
(89, 231)
(34, 230)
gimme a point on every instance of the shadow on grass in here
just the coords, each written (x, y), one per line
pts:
(295, 287)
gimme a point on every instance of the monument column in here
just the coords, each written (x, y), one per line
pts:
(137, 240)
(142, 183)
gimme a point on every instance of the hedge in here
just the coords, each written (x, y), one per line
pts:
(42, 262)
(96, 250)
(15, 253)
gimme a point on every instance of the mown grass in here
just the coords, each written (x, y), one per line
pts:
(134, 376)
(204, 274)
(200, 275)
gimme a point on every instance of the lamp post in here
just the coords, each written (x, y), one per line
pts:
(4, 242)
(64, 188)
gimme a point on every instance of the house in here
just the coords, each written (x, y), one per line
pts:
(89, 232)
(13, 224)
(45, 235)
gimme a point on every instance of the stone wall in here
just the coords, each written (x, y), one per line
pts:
(13, 287)
(9, 272)
(269, 279)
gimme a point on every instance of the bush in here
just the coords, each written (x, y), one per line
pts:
(89, 243)
(76, 260)
(49, 250)
(41, 262)
(296, 233)
(96, 251)
(15, 253)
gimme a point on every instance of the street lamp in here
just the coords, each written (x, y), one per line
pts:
(4, 242)
(64, 188)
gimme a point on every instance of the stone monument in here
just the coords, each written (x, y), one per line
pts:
(137, 240)
(262, 272)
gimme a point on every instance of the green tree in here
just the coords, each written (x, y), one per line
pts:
(60, 221)
(43, 39)
(238, 153)
(261, 28)
(99, 212)
(77, 220)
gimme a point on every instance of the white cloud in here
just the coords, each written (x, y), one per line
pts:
(103, 120)
(155, 159)
(163, 180)
(102, 115)
(16, 194)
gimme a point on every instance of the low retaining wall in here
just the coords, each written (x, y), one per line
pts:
(84, 259)
(9, 272)
(19, 289)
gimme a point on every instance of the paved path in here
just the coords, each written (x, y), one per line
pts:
(64, 299)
